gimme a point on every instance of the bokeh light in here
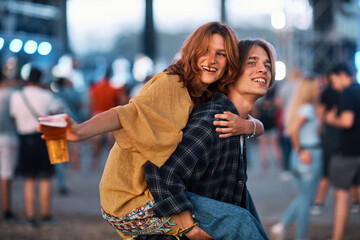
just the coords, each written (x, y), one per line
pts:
(280, 70)
(278, 19)
(30, 47)
(15, 45)
(44, 48)
(2, 41)
(143, 67)
(25, 71)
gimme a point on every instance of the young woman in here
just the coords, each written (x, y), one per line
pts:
(302, 124)
(149, 128)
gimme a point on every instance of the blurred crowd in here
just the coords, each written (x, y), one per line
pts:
(310, 126)
(24, 97)
(311, 123)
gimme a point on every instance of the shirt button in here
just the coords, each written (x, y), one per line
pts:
(240, 182)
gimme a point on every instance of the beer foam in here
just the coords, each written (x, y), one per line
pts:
(53, 124)
(53, 120)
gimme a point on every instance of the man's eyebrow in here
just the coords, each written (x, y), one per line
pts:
(255, 57)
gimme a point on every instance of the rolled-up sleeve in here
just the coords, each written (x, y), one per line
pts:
(152, 122)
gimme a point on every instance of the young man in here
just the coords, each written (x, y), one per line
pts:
(345, 165)
(206, 175)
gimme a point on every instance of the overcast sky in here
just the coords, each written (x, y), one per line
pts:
(102, 20)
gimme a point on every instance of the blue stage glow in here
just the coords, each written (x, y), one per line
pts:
(357, 65)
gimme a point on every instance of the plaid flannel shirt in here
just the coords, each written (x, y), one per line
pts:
(203, 163)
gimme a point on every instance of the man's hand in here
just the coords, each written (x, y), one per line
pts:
(330, 116)
(184, 220)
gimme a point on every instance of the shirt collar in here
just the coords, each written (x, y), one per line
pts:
(219, 97)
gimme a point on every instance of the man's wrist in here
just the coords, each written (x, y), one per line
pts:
(193, 232)
(187, 230)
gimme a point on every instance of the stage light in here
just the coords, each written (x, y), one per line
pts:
(30, 47)
(280, 70)
(44, 48)
(1, 42)
(25, 71)
(15, 45)
(278, 19)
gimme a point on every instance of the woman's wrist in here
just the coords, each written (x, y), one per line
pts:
(298, 150)
(253, 125)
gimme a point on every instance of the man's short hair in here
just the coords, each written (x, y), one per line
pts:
(340, 67)
(35, 75)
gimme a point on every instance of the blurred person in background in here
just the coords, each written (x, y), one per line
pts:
(265, 110)
(345, 164)
(26, 105)
(330, 141)
(104, 96)
(150, 127)
(329, 99)
(306, 157)
(8, 149)
(283, 97)
(66, 93)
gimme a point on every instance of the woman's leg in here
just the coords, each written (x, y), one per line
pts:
(291, 212)
(226, 221)
(309, 179)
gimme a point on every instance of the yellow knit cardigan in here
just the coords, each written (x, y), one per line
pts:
(152, 126)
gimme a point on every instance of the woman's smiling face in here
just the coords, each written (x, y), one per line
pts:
(213, 62)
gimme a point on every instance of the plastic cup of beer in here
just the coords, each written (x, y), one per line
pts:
(54, 131)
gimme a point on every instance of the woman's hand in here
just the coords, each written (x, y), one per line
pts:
(198, 234)
(305, 156)
(233, 125)
(72, 130)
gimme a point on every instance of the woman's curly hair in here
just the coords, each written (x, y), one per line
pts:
(194, 47)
